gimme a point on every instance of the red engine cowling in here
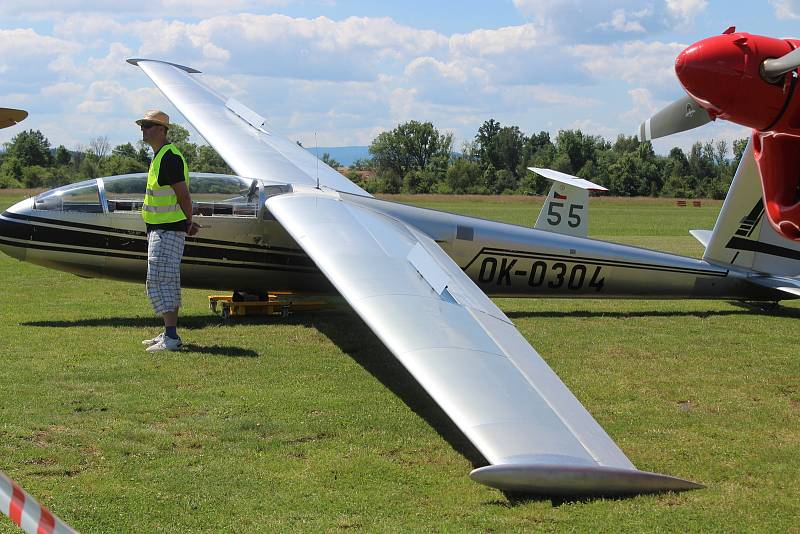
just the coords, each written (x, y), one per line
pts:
(723, 73)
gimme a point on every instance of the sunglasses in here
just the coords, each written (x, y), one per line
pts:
(148, 125)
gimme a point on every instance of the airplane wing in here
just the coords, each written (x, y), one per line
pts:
(240, 135)
(463, 350)
(10, 117)
(460, 347)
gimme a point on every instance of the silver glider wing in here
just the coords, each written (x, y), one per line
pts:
(463, 350)
(240, 135)
(457, 344)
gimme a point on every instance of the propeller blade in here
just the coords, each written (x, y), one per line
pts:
(773, 69)
(681, 115)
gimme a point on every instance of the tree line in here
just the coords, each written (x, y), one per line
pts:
(415, 158)
(30, 162)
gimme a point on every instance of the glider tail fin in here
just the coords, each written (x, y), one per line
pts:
(742, 236)
(566, 208)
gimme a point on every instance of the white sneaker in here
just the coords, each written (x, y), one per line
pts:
(148, 342)
(165, 343)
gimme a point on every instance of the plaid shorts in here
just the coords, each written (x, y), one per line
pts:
(164, 252)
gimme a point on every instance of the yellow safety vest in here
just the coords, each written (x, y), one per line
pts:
(160, 202)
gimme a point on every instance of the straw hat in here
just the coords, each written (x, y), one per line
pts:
(155, 116)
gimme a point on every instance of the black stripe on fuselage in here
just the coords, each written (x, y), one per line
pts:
(593, 261)
(95, 243)
(143, 257)
(141, 233)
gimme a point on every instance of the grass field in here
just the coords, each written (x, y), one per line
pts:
(308, 424)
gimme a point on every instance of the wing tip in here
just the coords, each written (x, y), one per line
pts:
(577, 481)
(136, 60)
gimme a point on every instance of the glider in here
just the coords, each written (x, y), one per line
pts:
(418, 278)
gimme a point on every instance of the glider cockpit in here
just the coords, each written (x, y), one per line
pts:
(214, 195)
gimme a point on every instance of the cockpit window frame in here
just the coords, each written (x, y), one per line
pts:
(201, 206)
(46, 200)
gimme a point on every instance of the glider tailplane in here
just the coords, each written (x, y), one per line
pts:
(742, 237)
(566, 208)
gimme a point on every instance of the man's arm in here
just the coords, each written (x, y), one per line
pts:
(185, 202)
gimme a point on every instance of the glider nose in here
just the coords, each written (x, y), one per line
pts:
(15, 234)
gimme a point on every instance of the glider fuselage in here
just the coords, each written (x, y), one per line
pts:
(242, 247)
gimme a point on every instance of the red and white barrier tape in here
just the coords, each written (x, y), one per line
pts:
(26, 513)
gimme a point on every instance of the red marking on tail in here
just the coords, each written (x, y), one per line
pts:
(559, 197)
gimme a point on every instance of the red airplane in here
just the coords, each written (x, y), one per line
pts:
(750, 80)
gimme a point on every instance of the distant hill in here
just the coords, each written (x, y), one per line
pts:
(345, 155)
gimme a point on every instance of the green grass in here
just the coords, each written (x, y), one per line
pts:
(304, 424)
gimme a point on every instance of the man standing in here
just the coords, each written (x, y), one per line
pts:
(167, 212)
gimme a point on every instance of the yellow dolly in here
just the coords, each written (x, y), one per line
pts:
(276, 304)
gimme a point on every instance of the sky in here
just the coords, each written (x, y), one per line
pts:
(348, 70)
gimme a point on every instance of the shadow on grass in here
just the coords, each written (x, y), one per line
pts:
(217, 350)
(355, 339)
(521, 499)
(188, 322)
(746, 309)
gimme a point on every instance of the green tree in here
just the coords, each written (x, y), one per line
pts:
(127, 151)
(410, 146)
(30, 147)
(119, 164)
(11, 172)
(329, 161)
(362, 164)
(209, 160)
(463, 176)
(179, 136)
(62, 156)
(739, 146)
(578, 149)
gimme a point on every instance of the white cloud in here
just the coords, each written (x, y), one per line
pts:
(591, 127)
(621, 21)
(47, 9)
(640, 62)
(644, 106)
(286, 46)
(686, 10)
(61, 89)
(113, 64)
(22, 45)
(613, 20)
(95, 106)
(786, 9)
(496, 42)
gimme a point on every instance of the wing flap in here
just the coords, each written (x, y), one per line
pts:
(460, 347)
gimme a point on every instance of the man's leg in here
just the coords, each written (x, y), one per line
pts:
(163, 279)
(171, 319)
(171, 324)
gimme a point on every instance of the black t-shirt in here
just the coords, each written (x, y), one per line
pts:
(170, 172)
